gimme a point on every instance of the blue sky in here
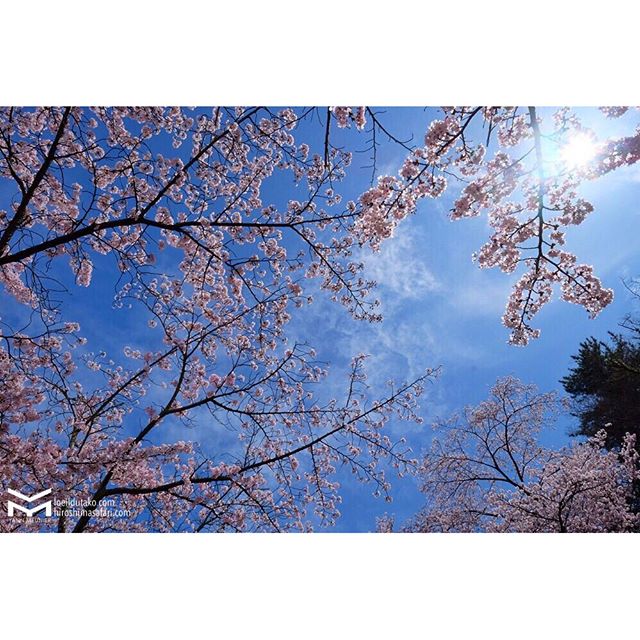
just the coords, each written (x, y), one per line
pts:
(440, 309)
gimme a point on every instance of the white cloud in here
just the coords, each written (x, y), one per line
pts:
(400, 267)
(480, 295)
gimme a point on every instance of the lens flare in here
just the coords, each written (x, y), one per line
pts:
(578, 151)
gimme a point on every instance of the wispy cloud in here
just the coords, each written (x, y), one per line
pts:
(479, 294)
(399, 267)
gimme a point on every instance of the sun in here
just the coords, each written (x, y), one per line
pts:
(578, 151)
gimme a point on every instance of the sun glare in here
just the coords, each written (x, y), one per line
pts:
(578, 151)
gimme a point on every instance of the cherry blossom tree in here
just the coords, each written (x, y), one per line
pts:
(515, 168)
(487, 471)
(167, 205)
(180, 212)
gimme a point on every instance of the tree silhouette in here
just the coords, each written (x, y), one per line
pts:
(605, 384)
